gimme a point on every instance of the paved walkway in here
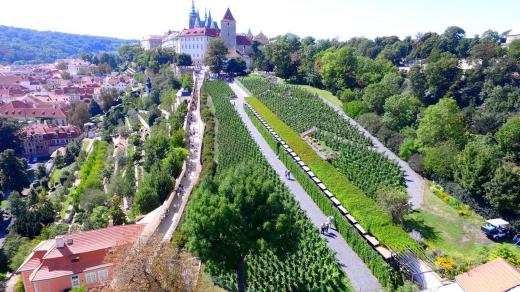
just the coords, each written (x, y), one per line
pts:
(176, 208)
(415, 183)
(359, 274)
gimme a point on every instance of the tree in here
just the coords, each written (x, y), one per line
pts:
(438, 160)
(62, 66)
(187, 81)
(10, 137)
(236, 67)
(115, 212)
(184, 60)
(216, 55)
(337, 67)
(284, 56)
(440, 75)
(238, 215)
(41, 171)
(152, 266)
(476, 164)
(94, 109)
(78, 113)
(417, 82)
(508, 137)
(394, 202)
(514, 49)
(65, 75)
(107, 97)
(503, 191)
(441, 122)
(12, 171)
(172, 164)
(401, 111)
(375, 96)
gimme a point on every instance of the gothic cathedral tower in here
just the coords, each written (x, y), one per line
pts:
(193, 15)
(228, 30)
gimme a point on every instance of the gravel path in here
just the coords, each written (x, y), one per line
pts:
(359, 274)
(415, 183)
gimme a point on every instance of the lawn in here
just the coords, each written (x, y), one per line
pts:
(323, 93)
(444, 229)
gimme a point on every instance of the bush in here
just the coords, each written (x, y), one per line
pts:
(355, 108)
(440, 160)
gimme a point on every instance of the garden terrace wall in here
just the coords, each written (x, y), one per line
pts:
(370, 253)
(364, 209)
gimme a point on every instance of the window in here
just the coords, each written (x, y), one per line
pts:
(103, 275)
(90, 277)
(75, 281)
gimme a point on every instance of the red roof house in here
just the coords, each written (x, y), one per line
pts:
(75, 259)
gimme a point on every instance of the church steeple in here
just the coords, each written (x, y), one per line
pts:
(193, 15)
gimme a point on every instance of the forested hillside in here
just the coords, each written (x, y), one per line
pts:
(24, 46)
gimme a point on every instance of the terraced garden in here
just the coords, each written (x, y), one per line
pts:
(310, 265)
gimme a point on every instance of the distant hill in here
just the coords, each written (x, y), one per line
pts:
(26, 46)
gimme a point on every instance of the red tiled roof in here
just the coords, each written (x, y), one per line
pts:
(51, 131)
(228, 15)
(88, 249)
(211, 32)
(494, 276)
(97, 239)
(11, 111)
(243, 40)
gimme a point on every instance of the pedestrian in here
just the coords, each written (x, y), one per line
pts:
(330, 219)
(288, 175)
(323, 227)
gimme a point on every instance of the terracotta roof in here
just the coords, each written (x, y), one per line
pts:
(228, 15)
(87, 252)
(211, 32)
(243, 40)
(51, 131)
(495, 276)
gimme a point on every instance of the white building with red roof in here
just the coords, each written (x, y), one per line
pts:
(33, 112)
(75, 260)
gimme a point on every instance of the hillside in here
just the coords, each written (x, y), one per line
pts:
(22, 46)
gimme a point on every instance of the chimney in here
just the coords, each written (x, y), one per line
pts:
(60, 243)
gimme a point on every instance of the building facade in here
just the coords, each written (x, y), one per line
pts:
(151, 42)
(31, 112)
(75, 260)
(194, 42)
(41, 140)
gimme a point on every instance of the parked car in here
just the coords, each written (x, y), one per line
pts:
(496, 229)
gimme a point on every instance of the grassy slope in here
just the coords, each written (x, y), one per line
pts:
(323, 93)
(359, 205)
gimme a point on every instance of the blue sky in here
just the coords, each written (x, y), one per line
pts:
(341, 19)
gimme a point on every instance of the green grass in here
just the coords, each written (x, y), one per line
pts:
(364, 209)
(4, 204)
(84, 144)
(444, 229)
(324, 93)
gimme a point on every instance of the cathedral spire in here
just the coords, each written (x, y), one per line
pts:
(193, 6)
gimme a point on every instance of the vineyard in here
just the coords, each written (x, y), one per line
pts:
(301, 111)
(310, 265)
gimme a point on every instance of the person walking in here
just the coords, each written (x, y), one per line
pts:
(330, 219)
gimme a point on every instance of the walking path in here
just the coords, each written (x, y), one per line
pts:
(415, 184)
(359, 274)
(175, 208)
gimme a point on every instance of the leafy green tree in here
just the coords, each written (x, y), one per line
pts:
(508, 137)
(107, 96)
(337, 67)
(514, 49)
(441, 122)
(98, 219)
(241, 215)
(184, 60)
(503, 191)
(417, 82)
(115, 212)
(485, 51)
(451, 41)
(284, 56)
(12, 171)
(216, 55)
(172, 164)
(375, 96)
(236, 67)
(401, 111)
(187, 82)
(146, 199)
(439, 160)
(392, 81)
(394, 202)
(476, 164)
(354, 108)
(440, 75)
(10, 138)
(156, 148)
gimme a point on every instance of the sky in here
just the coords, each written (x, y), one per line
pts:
(342, 19)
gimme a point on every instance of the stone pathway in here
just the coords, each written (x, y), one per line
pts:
(415, 183)
(193, 168)
(359, 274)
